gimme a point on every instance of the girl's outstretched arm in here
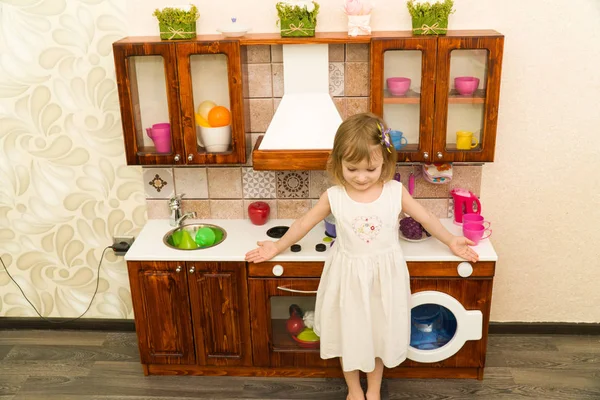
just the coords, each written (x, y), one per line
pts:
(268, 249)
(458, 245)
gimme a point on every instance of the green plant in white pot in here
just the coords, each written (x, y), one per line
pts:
(430, 18)
(297, 17)
(177, 22)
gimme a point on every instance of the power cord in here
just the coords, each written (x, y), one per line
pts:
(117, 247)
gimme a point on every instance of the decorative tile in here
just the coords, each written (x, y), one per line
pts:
(158, 183)
(450, 207)
(260, 112)
(356, 105)
(336, 53)
(276, 53)
(336, 79)
(292, 184)
(277, 72)
(224, 183)
(438, 207)
(292, 208)
(227, 209)
(256, 54)
(463, 176)
(200, 207)
(259, 80)
(356, 79)
(158, 209)
(340, 104)
(319, 183)
(357, 52)
(259, 184)
(192, 182)
(272, 204)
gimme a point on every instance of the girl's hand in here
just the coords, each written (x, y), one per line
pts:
(460, 246)
(265, 251)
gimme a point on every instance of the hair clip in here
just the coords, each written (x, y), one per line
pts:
(385, 137)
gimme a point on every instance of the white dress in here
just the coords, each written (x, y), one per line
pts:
(363, 300)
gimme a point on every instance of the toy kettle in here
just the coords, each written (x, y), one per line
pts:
(465, 202)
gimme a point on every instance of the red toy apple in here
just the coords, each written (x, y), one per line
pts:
(294, 325)
(259, 212)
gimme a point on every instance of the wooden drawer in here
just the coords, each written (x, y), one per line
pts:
(289, 269)
(449, 269)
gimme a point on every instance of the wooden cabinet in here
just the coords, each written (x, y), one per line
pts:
(193, 313)
(165, 82)
(431, 113)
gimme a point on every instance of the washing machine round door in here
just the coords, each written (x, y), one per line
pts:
(440, 326)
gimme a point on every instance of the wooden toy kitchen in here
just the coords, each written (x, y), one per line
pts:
(207, 311)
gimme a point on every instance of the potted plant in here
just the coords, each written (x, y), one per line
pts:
(177, 22)
(430, 18)
(297, 17)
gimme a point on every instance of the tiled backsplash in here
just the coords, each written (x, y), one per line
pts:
(226, 191)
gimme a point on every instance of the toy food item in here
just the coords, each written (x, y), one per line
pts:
(218, 234)
(219, 116)
(187, 243)
(294, 325)
(309, 319)
(258, 212)
(201, 121)
(295, 309)
(411, 229)
(205, 237)
(205, 107)
(308, 335)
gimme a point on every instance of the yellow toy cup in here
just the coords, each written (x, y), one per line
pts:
(464, 140)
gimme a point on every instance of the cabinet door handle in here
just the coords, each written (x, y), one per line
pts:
(190, 157)
(178, 269)
(192, 270)
(439, 154)
(177, 158)
(284, 289)
(278, 270)
(465, 269)
(426, 155)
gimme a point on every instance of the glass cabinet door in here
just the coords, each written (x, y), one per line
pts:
(281, 313)
(467, 91)
(146, 76)
(403, 93)
(211, 102)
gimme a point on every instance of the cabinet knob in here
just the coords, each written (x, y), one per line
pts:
(192, 270)
(439, 154)
(178, 269)
(190, 157)
(177, 158)
(465, 269)
(278, 270)
(426, 155)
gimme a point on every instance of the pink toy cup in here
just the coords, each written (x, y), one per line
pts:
(161, 136)
(477, 219)
(476, 232)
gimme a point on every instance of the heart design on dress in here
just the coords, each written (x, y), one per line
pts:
(367, 228)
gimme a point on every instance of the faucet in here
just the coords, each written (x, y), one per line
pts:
(176, 218)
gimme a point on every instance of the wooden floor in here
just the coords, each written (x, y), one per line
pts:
(69, 365)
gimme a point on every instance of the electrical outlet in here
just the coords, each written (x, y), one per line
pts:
(118, 239)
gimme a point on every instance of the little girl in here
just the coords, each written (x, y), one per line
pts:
(362, 311)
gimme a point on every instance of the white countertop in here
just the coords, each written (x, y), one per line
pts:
(242, 236)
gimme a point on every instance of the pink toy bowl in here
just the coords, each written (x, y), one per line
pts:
(398, 86)
(466, 85)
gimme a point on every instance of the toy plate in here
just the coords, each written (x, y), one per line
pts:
(424, 237)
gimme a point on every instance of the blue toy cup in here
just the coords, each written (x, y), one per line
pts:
(398, 140)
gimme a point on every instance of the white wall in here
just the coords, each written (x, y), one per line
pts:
(542, 192)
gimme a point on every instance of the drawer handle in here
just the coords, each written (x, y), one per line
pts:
(277, 270)
(296, 290)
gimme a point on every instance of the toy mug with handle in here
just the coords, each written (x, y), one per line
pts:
(161, 136)
(476, 232)
(464, 140)
(398, 140)
(472, 218)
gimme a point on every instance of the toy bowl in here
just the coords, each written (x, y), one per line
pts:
(466, 85)
(398, 86)
(306, 344)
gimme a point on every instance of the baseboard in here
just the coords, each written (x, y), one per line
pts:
(543, 328)
(84, 324)
(128, 325)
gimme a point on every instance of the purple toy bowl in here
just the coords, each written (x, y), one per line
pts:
(466, 85)
(398, 86)
(330, 226)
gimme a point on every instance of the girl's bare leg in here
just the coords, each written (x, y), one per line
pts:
(355, 391)
(374, 381)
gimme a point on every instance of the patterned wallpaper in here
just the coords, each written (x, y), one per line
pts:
(66, 190)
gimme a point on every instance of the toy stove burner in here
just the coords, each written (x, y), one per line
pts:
(277, 231)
